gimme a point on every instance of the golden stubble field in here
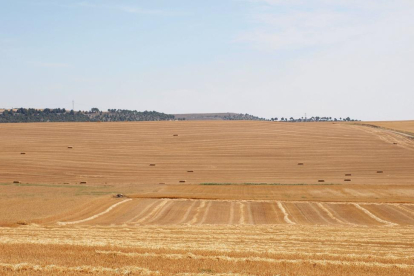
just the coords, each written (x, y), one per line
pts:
(207, 250)
(217, 152)
(246, 207)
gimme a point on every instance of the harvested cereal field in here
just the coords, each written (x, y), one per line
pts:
(216, 152)
(206, 198)
(136, 212)
(207, 250)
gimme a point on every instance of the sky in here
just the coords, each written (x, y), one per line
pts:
(269, 58)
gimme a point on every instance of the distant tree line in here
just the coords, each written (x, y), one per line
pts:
(27, 115)
(313, 119)
(121, 115)
(31, 115)
(246, 117)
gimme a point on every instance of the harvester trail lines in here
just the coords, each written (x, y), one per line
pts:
(315, 209)
(396, 214)
(231, 213)
(197, 214)
(406, 144)
(300, 215)
(387, 223)
(203, 219)
(158, 207)
(162, 210)
(187, 213)
(387, 137)
(330, 214)
(259, 259)
(275, 210)
(249, 212)
(404, 140)
(404, 208)
(242, 218)
(391, 136)
(142, 212)
(285, 214)
(95, 216)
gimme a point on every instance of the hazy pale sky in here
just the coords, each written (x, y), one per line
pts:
(268, 58)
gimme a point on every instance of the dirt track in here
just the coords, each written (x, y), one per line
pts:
(404, 126)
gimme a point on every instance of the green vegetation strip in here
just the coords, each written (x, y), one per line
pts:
(80, 190)
(42, 185)
(268, 184)
(80, 186)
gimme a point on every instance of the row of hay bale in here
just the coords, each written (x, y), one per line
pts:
(153, 165)
(180, 181)
(184, 181)
(347, 179)
(23, 153)
(347, 174)
(65, 183)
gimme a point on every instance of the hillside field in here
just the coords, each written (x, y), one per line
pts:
(207, 198)
(120, 154)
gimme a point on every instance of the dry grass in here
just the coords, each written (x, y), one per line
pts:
(246, 250)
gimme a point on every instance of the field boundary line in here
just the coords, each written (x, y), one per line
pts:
(95, 216)
(274, 200)
(374, 216)
(258, 259)
(285, 214)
